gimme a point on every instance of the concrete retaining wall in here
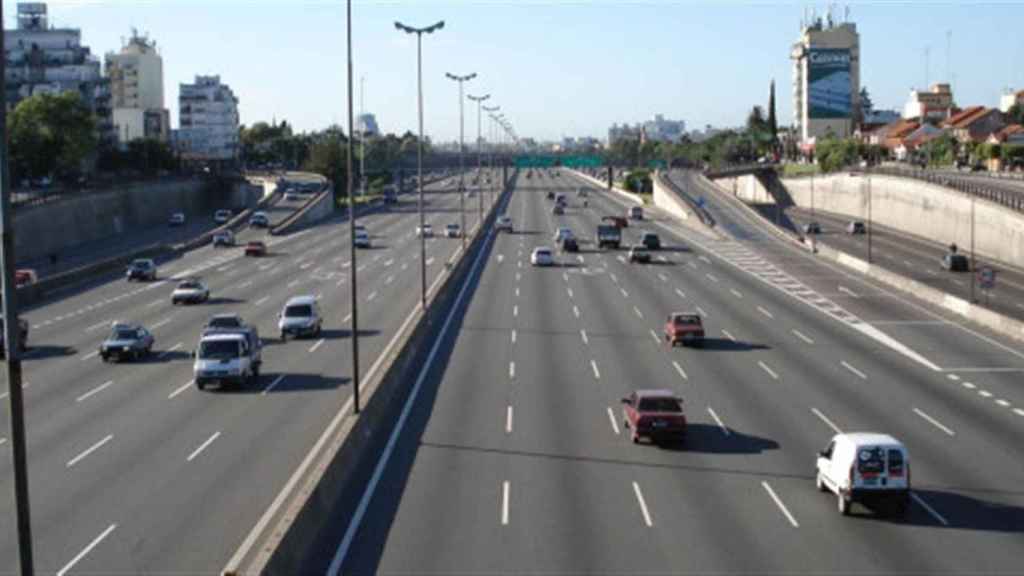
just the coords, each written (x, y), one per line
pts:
(54, 227)
(746, 188)
(666, 199)
(932, 212)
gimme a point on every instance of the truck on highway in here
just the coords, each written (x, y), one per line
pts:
(608, 236)
(228, 356)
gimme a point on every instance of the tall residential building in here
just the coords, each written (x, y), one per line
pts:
(208, 120)
(136, 76)
(42, 59)
(623, 132)
(661, 130)
(933, 105)
(826, 79)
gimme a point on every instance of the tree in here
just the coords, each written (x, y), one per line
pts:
(834, 154)
(1015, 114)
(866, 106)
(756, 121)
(773, 125)
(328, 157)
(51, 135)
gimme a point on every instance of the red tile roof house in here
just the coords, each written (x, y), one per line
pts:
(975, 124)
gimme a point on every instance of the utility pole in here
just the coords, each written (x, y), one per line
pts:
(352, 226)
(479, 150)
(12, 343)
(462, 151)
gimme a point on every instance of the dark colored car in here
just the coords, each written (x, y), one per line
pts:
(684, 328)
(126, 342)
(654, 414)
(570, 245)
(141, 269)
(812, 228)
(651, 241)
(956, 262)
(856, 227)
(255, 248)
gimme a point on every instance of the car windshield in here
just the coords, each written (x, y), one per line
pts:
(218, 349)
(140, 264)
(224, 322)
(660, 405)
(123, 334)
(298, 311)
(189, 286)
(687, 320)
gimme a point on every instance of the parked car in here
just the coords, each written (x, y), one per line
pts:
(141, 269)
(542, 256)
(856, 227)
(176, 219)
(956, 262)
(654, 414)
(865, 467)
(222, 216)
(684, 328)
(126, 342)
(255, 248)
(651, 241)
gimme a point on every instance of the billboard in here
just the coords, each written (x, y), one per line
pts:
(829, 84)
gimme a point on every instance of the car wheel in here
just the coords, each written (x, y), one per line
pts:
(104, 357)
(284, 336)
(819, 484)
(843, 504)
(636, 439)
(200, 385)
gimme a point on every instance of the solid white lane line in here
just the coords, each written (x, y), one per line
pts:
(515, 310)
(91, 355)
(180, 389)
(597, 373)
(825, 419)
(934, 422)
(504, 503)
(513, 335)
(680, 293)
(778, 502)
(512, 370)
(89, 450)
(849, 367)
(583, 334)
(318, 344)
(576, 311)
(768, 370)
(765, 312)
(611, 418)
(655, 336)
(801, 336)
(95, 390)
(272, 385)
(202, 447)
(85, 551)
(736, 293)
(643, 505)
(929, 509)
(261, 300)
(718, 421)
(728, 335)
(679, 369)
(638, 312)
(163, 322)
(508, 420)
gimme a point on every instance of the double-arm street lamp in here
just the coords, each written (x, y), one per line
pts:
(479, 150)
(462, 146)
(490, 114)
(419, 32)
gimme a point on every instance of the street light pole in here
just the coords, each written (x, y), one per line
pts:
(12, 340)
(972, 271)
(419, 32)
(462, 147)
(490, 114)
(479, 149)
(354, 303)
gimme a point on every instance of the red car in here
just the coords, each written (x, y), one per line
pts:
(654, 414)
(684, 328)
(617, 221)
(24, 277)
(255, 248)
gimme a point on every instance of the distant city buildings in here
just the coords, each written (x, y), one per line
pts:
(136, 76)
(826, 80)
(208, 120)
(41, 59)
(933, 105)
(656, 130)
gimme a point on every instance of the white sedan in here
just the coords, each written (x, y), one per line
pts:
(542, 257)
(426, 231)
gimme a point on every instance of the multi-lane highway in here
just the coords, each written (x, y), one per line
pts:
(514, 457)
(134, 470)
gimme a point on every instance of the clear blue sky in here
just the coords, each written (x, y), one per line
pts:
(557, 68)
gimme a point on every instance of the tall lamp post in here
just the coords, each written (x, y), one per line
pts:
(12, 339)
(490, 114)
(352, 222)
(479, 147)
(495, 152)
(419, 32)
(462, 150)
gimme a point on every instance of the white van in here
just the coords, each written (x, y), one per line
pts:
(301, 317)
(865, 467)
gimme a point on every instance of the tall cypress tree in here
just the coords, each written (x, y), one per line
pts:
(772, 122)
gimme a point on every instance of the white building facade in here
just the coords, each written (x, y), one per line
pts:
(826, 80)
(136, 76)
(208, 121)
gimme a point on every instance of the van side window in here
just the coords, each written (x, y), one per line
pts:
(895, 463)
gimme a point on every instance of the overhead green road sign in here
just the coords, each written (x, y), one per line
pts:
(539, 161)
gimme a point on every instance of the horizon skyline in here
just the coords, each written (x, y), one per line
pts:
(623, 82)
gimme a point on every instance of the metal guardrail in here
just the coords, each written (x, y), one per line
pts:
(738, 170)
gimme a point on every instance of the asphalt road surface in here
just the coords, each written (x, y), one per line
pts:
(131, 468)
(514, 458)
